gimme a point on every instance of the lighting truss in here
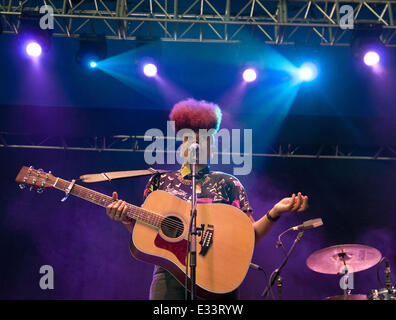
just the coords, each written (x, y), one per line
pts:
(138, 143)
(281, 22)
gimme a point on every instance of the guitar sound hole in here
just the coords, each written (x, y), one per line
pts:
(172, 227)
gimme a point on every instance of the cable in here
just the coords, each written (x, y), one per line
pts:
(257, 267)
(270, 290)
(276, 272)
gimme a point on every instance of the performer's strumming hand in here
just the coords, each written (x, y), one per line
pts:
(117, 209)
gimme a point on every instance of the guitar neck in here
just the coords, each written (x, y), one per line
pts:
(133, 212)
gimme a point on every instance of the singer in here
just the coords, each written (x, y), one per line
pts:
(212, 187)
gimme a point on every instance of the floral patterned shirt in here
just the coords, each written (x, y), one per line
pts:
(212, 187)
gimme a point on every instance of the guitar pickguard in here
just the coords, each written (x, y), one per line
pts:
(177, 248)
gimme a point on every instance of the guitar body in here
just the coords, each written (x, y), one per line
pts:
(226, 262)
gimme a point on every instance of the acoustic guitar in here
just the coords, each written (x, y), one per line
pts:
(160, 233)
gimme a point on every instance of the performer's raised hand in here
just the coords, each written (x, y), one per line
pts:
(294, 203)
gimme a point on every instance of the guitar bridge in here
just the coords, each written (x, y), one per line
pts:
(206, 240)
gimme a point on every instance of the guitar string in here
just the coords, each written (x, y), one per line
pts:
(99, 198)
(102, 199)
(170, 224)
(136, 211)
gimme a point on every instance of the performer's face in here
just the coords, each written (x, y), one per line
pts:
(205, 142)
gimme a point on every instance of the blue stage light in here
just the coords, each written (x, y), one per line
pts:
(92, 50)
(308, 72)
(92, 64)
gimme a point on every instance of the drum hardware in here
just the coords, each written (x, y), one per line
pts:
(350, 258)
(383, 294)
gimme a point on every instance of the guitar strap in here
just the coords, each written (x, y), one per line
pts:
(108, 176)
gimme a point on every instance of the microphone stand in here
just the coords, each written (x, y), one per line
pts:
(279, 282)
(275, 276)
(193, 231)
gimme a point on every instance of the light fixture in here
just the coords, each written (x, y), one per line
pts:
(93, 49)
(150, 70)
(308, 72)
(33, 40)
(249, 75)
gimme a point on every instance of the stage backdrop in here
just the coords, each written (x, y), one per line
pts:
(89, 252)
(347, 104)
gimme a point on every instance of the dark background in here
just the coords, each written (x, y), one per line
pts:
(347, 104)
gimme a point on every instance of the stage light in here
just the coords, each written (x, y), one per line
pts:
(93, 49)
(307, 72)
(93, 64)
(366, 44)
(33, 41)
(33, 49)
(371, 58)
(249, 75)
(150, 70)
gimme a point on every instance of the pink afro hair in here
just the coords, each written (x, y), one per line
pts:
(193, 114)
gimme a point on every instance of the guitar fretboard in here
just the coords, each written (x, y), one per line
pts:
(133, 212)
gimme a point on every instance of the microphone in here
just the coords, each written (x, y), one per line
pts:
(314, 223)
(193, 149)
(194, 146)
(388, 275)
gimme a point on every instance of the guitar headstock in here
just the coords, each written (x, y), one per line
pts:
(28, 176)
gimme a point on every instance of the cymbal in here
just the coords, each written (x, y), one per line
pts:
(331, 260)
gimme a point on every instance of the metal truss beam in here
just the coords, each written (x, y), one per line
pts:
(280, 22)
(126, 143)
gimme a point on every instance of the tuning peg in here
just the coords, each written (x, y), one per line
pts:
(22, 186)
(40, 190)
